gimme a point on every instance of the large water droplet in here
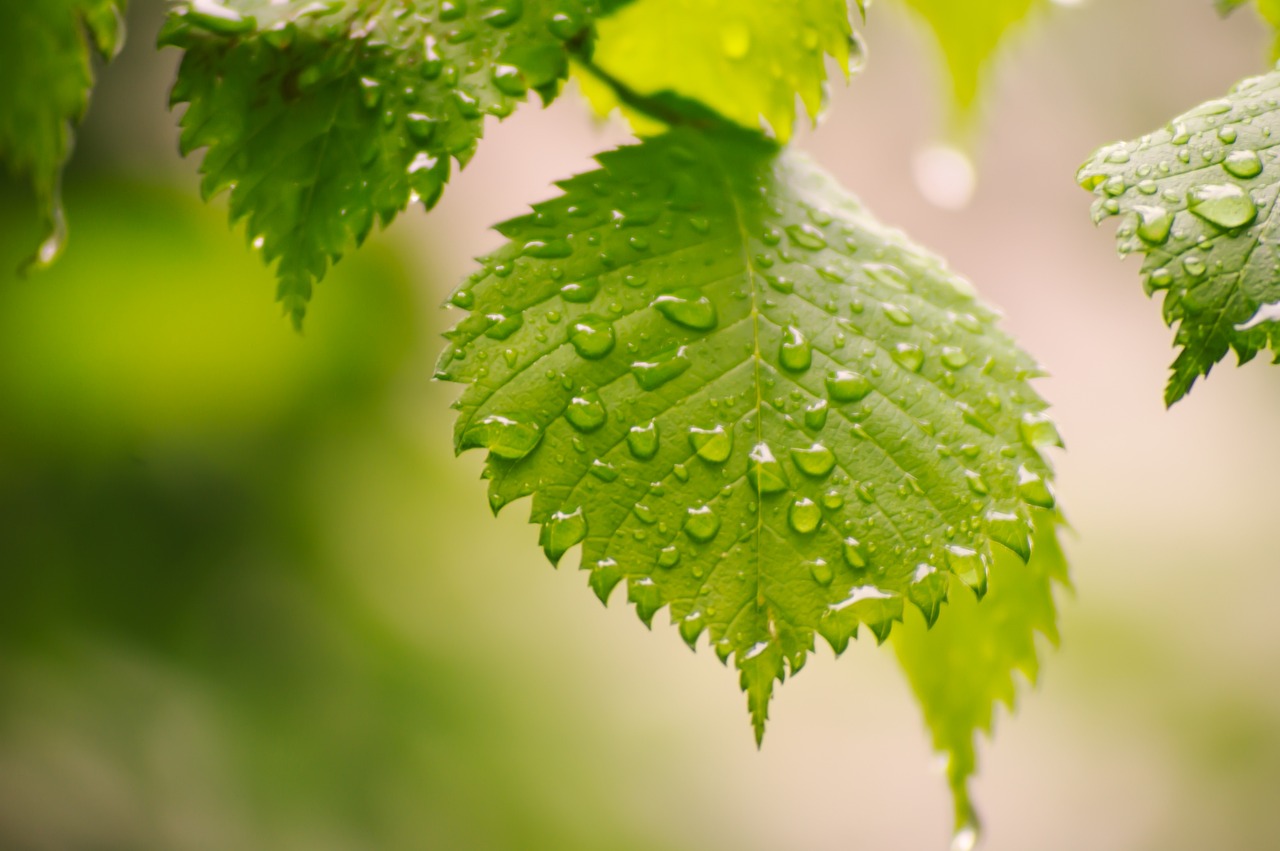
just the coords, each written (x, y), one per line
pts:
(1225, 205)
(764, 471)
(713, 444)
(847, 386)
(563, 531)
(580, 292)
(642, 440)
(509, 80)
(651, 375)
(1009, 529)
(815, 415)
(970, 566)
(504, 437)
(1038, 431)
(688, 307)
(897, 314)
(586, 413)
(592, 337)
(548, 249)
(817, 460)
(503, 326)
(701, 524)
(1243, 164)
(1154, 224)
(795, 353)
(804, 516)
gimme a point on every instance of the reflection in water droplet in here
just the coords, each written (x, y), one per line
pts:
(854, 553)
(1038, 431)
(668, 557)
(1243, 164)
(713, 445)
(1033, 488)
(807, 236)
(821, 572)
(909, 356)
(580, 292)
(1154, 224)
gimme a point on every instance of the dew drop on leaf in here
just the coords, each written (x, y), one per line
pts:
(1225, 205)
(764, 471)
(643, 440)
(592, 337)
(804, 516)
(713, 445)
(563, 531)
(795, 353)
(688, 307)
(701, 523)
(586, 413)
(816, 461)
(847, 386)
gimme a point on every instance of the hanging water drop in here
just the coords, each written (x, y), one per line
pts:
(563, 531)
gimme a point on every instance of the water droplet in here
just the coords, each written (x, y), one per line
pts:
(504, 15)
(735, 40)
(847, 386)
(1154, 224)
(668, 557)
(804, 516)
(548, 249)
(1010, 530)
(566, 23)
(580, 292)
(509, 80)
(651, 375)
(1225, 205)
(642, 440)
(807, 236)
(815, 415)
(592, 337)
(504, 437)
(604, 471)
(563, 531)
(1038, 431)
(764, 471)
(817, 461)
(909, 356)
(954, 358)
(833, 500)
(854, 553)
(688, 307)
(586, 413)
(452, 10)
(1194, 264)
(795, 353)
(976, 483)
(897, 315)
(713, 445)
(701, 524)
(970, 566)
(503, 326)
(1243, 164)
(420, 127)
(1227, 134)
(821, 572)
(1033, 488)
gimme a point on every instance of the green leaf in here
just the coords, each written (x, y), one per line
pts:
(748, 399)
(45, 63)
(1198, 199)
(746, 61)
(970, 35)
(1269, 10)
(965, 664)
(324, 118)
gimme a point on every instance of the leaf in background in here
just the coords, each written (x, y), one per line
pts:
(746, 61)
(1198, 199)
(48, 75)
(322, 118)
(970, 35)
(748, 399)
(1268, 9)
(961, 667)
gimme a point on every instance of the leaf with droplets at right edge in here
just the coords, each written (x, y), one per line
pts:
(1197, 198)
(966, 663)
(45, 63)
(722, 503)
(324, 119)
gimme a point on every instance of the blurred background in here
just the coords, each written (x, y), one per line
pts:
(249, 600)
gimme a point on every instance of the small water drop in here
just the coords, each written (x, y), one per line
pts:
(668, 557)
(651, 375)
(847, 386)
(795, 353)
(815, 415)
(807, 236)
(688, 307)
(909, 356)
(764, 471)
(821, 572)
(592, 337)
(1154, 224)
(504, 437)
(1033, 488)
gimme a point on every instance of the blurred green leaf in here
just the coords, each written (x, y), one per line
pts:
(45, 63)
